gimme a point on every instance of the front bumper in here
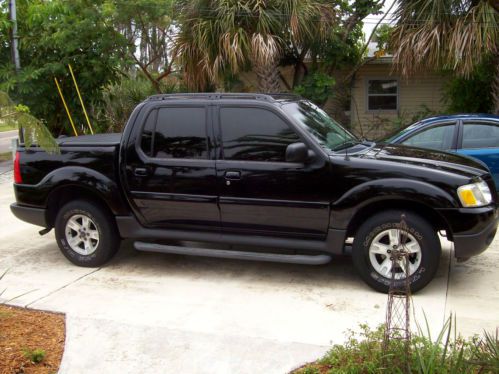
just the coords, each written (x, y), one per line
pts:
(473, 229)
(35, 216)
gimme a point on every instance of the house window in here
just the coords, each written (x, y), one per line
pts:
(382, 94)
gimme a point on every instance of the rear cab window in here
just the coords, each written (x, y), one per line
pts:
(176, 133)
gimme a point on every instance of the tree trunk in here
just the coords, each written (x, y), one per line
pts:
(300, 70)
(268, 77)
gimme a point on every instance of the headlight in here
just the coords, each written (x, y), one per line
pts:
(475, 194)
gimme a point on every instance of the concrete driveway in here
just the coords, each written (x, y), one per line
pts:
(146, 312)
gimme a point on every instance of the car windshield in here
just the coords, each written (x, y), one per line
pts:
(327, 131)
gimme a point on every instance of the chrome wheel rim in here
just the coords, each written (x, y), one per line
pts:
(400, 245)
(82, 234)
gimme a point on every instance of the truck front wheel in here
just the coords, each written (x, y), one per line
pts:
(86, 233)
(381, 239)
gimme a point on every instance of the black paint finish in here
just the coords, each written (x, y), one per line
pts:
(278, 200)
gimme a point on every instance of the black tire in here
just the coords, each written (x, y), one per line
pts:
(102, 221)
(421, 231)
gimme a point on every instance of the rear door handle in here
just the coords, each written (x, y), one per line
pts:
(233, 175)
(140, 172)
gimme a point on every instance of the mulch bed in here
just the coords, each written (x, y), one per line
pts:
(25, 330)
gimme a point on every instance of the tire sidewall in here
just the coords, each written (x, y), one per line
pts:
(105, 246)
(417, 227)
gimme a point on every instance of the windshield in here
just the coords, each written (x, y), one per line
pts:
(327, 131)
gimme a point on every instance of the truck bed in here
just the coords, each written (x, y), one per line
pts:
(89, 140)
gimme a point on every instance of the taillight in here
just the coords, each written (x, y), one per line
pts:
(17, 170)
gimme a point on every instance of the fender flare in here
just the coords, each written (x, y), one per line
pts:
(389, 189)
(105, 188)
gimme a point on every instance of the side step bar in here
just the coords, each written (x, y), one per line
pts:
(236, 255)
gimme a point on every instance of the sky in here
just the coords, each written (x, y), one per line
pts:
(371, 21)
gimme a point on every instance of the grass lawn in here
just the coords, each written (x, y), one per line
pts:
(7, 156)
(6, 127)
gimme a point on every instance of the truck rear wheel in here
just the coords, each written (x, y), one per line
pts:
(381, 237)
(86, 233)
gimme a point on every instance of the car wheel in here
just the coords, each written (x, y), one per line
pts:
(86, 233)
(381, 236)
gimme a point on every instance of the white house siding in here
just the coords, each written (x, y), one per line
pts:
(414, 94)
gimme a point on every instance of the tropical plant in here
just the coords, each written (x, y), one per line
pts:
(52, 35)
(220, 36)
(33, 129)
(447, 34)
(120, 99)
(447, 353)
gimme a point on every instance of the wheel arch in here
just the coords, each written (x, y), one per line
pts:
(69, 192)
(422, 210)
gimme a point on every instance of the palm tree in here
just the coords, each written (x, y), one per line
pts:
(219, 37)
(447, 34)
(33, 129)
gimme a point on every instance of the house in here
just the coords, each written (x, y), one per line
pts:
(382, 100)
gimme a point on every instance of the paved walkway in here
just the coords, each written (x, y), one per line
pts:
(147, 312)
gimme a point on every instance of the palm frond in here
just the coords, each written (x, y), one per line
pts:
(444, 34)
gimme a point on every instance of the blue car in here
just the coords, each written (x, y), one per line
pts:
(475, 135)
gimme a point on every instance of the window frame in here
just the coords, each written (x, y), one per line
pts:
(367, 95)
(171, 161)
(217, 124)
(453, 123)
(475, 121)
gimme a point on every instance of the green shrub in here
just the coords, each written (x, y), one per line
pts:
(120, 99)
(316, 87)
(471, 94)
(449, 353)
(35, 355)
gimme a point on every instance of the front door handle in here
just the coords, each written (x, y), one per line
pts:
(233, 175)
(140, 172)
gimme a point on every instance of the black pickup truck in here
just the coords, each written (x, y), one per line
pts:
(266, 171)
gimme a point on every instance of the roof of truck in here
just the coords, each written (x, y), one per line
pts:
(272, 98)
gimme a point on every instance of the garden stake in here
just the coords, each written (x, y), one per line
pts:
(81, 100)
(65, 106)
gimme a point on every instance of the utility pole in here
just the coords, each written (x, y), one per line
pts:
(15, 49)
(14, 38)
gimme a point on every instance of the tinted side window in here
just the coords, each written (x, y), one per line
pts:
(147, 138)
(181, 133)
(480, 135)
(254, 134)
(438, 137)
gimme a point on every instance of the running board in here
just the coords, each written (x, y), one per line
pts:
(236, 255)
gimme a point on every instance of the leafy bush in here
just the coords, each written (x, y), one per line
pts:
(316, 87)
(448, 353)
(119, 99)
(472, 94)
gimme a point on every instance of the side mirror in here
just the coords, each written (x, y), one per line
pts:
(297, 152)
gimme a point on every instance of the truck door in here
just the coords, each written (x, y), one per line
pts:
(260, 192)
(170, 173)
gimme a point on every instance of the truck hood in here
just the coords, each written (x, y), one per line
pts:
(427, 158)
